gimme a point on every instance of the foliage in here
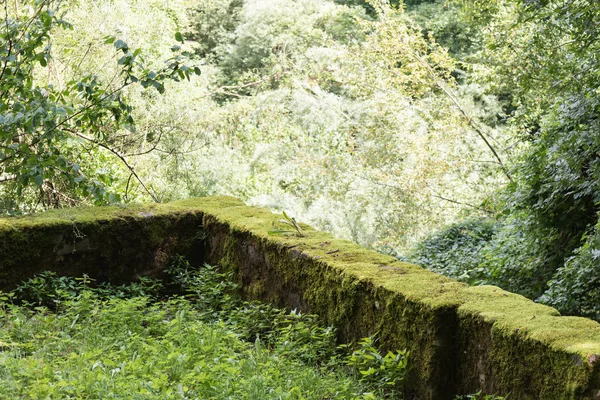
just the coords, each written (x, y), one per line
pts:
(575, 287)
(456, 251)
(213, 24)
(47, 289)
(539, 58)
(211, 290)
(517, 260)
(291, 222)
(50, 290)
(116, 341)
(332, 129)
(129, 348)
(48, 127)
(382, 371)
(444, 20)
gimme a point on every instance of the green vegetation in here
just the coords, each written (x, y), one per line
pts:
(47, 125)
(553, 201)
(66, 337)
(456, 251)
(538, 60)
(459, 135)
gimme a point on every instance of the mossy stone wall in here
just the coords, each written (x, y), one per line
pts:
(462, 339)
(107, 243)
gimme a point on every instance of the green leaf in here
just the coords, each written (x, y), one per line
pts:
(39, 180)
(120, 44)
(113, 198)
(179, 37)
(159, 86)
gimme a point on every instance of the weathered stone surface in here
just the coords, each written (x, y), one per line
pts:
(107, 243)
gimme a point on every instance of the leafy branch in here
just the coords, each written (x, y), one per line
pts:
(470, 121)
(40, 126)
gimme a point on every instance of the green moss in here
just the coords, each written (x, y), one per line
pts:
(116, 243)
(525, 348)
(461, 338)
(514, 313)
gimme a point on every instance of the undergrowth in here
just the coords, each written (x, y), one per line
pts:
(70, 338)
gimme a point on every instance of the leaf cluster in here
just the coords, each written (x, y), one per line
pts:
(205, 342)
(47, 127)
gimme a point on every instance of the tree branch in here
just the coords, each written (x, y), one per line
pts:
(461, 203)
(119, 156)
(466, 116)
(127, 187)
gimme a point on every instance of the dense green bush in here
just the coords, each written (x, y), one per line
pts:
(456, 251)
(213, 24)
(539, 58)
(131, 348)
(444, 21)
(383, 371)
(575, 287)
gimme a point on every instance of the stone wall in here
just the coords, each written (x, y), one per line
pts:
(462, 339)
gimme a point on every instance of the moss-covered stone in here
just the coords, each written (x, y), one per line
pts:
(461, 338)
(513, 345)
(107, 243)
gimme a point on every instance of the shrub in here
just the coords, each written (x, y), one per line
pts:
(575, 288)
(456, 251)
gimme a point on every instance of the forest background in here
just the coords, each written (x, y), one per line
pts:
(460, 135)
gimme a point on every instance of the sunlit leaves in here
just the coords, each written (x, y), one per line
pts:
(39, 118)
